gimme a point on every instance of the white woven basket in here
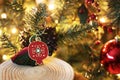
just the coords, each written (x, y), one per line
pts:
(52, 69)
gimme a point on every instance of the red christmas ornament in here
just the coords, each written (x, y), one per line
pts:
(104, 27)
(98, 10)
(110, 30)
(38, 51)
(97, 42)
(92, 16)
(96, 4)
(89, 1)
(110, 56)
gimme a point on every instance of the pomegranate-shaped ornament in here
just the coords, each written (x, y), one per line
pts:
(33, 54)
(37, 51)
(110, 56)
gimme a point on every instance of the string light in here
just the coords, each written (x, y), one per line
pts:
(91, 23)
(14, 30)
(3, 16)
(5, 57)
(51, 6)
(118, 75)
(56, 21)
(103, 20)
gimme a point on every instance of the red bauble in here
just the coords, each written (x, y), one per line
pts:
(96, 4)
(110, 56)
(97, 42)
(89, 1)
(92, 17)
(110, 30)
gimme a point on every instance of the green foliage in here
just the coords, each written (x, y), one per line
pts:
(36, 19)
(74, 32)
(6, 43)
(114, 12)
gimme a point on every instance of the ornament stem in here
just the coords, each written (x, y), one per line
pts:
(34, 37)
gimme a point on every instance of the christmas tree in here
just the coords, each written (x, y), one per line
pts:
(84, 33)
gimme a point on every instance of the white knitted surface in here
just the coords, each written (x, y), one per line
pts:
(52, 69)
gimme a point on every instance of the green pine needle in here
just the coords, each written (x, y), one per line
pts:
(6, 43)
(36, 18)
(114, 12)
(74, 32)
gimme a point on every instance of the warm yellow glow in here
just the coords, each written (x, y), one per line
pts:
(103, 20)
(56, 21)
(91, 23)
(51, 6)
(14, 30)
(5, 29)
(118, 75)
(28, 5)
(39, 1)
(5, 57)
(0, 32)
(3, 15)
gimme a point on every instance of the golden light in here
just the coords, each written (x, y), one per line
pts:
(51, 6)
(0, 32)
(3, 15)
(103, 20)
(28, 5)
(91, 23)
(56, 21)
(118, 75)
(39, 1)
(14, 30)
(5, 57)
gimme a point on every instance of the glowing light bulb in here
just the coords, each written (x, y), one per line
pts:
(51, 6)
(103, 19)
(3, 15)
(118, 75)
(5, 57)
(91, 23)
(56, 21)
(14, 30)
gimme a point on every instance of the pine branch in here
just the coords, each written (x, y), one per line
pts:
(6, 43)
(36, 18)
(16, 6)
(73, 32)
(114, 12)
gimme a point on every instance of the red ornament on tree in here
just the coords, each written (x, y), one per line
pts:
(38, 51)
(97, 42)
(89, 1)
(110, 56)
(110, 30)
(96, 4)
(92, 17)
